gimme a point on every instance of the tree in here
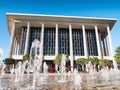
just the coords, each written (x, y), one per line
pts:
(104, 62)
(80, 61)
(117, 55)
(26, 57)
(57, 59)
(94, 60)
(9, 61)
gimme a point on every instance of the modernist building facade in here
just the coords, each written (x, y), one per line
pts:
(76, 36)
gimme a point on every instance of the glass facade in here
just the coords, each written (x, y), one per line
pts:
(35, 33)
(49, 41)
(63, 41)
(77, 38)
(23, 40)
(91, 42)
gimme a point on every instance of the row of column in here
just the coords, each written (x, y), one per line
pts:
(56, 43)
(16, 47)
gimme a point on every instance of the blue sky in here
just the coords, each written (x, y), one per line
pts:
(87, 8)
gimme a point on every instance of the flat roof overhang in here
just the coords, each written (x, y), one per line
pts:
(11, 17)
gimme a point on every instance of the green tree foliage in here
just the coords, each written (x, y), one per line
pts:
(9, 61)
(104, 62)
(57, 59)
(117, 58)
(81, 61)
(94, 60)
(117, 55)
(26, 57)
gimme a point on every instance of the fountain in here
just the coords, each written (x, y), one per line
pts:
(45, 67)
(31, 75)
(77, 80)
(62, 69)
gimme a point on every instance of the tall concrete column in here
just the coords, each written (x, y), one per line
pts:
(102, 46)
(106, 43)
(11, 40)
(56, 40)
(98, 43)
(17, 51)
(56, 45)
(111, 48)
(84, 41)
(13, 52)
(27, 39)
(110, 42)
(42, 40)
(71, 48)
(15, 47)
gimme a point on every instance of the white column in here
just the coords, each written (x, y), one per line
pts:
(56, 46)
(98, 43)
(56, 40)
(102, 46)
(11, 40)
(85, 42)
(110, 42)
(71, 48)
(15, 47)
(111, 49)
(106, 47)
(27, 39)
(17, 51)
(13, 52)
(42, 40)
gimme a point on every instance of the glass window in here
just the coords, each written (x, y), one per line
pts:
(49, 41)
(91, 42)
(63, 40)
(77, 40)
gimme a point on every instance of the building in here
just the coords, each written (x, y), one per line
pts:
(73, 35)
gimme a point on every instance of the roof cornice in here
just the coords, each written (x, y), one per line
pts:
(24, 14)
